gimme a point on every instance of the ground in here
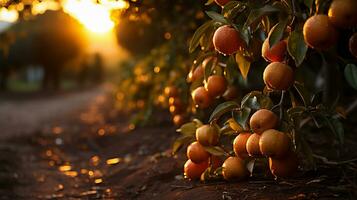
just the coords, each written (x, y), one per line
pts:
(77, 146)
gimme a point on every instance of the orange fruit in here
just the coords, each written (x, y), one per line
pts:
(196, 153)
(343, 13)
(178, 120)
(276, 53)
(171, 91)
(231, 93)
(274, 143)
(221, 2)
(239, 145)
(234, 168)
(207, 135)
(284, 167)
(216, 162)
(353, 45)
(263, 120)
(278, 76)
(252, 146)
(194, 171)
(227, 40)
(319, 33)
(216, 85)
(174, 101)
(197, 73)
(201, 97)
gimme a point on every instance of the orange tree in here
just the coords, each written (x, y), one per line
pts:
(305, 54)
(156, 34)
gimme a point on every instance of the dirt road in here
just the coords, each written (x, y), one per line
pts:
(24, 117)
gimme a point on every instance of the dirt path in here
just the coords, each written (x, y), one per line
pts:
(24, 117)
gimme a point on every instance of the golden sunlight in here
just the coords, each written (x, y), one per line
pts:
(94, 16)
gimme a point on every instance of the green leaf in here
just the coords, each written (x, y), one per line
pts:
(250, 166)
(256, 14)
(195, 41)
(277, 32)
(188, 129)
(222, 109)
(215, 150)
(337, 128)
(242, 116)
(217, 17)
(296, 111)
(297, 47)
(243, 64)
(179, 142)
(308, 3)
(232, 9)
(256, 100)
(351, 75)
(209, 2)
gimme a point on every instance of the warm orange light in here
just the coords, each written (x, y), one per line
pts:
(94, 16)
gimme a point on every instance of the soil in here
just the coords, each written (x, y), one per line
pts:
(90, 151)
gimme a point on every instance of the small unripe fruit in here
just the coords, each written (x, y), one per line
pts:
(178, 120)
(194, 171)
(221, 2)
(234, 168)
(342, 13)
(207, 135)
(239, 145)
(196, 153)
(252, 146)
(284, 167)
(278, 76)
(353, 45)
(276, 53)
(231, 93)
(201, 97)
(227, 40)
(274, 143)
(319, 33)
(171, 91)
(216, 85)
(263, 120)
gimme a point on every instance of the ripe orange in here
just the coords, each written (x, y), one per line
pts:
(178, 120)
(319, 33)
(196, 153)
(216, 85)
(263, 120)
(278, 76)
(207, 135)
(201, 97)
(227, 40)
(234, 169)
(239, 145)
(221, 2)
(343, 13)
(252, 146)
(171, 91)
(231, 93)
(193, 171)
(197, 73)
(353, 45)
(284, 167)
(274, 143)
(276, 53)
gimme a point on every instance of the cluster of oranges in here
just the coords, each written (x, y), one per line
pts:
(215, 86)
(321, 31)
(262, 138)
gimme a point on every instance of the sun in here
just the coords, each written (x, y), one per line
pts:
(95, 17)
